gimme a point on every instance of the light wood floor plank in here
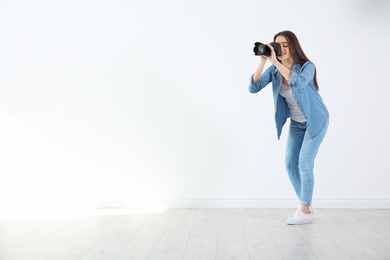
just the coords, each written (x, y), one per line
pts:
(260, 241)
(351, 244)
(322, 246)
(203, 237)
(289, 242)
(174, 240)
(145, 241)
(117, 239)
(35, 241)
(188, 234)
(231, 242)
(368, 235)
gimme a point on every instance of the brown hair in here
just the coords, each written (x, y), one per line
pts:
(296, 51)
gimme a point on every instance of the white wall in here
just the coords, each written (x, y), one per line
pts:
(145, 103)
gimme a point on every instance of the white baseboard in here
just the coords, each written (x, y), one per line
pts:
(247, 203)
(147, 205)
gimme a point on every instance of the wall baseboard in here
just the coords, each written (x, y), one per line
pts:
(145, 206)
(247, 203)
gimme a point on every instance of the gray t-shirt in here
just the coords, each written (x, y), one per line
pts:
(295, 112)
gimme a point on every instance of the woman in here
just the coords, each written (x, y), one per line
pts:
(295, 92)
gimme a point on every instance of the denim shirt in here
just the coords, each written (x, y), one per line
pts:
(304, 92)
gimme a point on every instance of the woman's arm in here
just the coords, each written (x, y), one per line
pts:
(285, 71)
(259, 70)
(305, 75)
(282, 69)
(262, 79)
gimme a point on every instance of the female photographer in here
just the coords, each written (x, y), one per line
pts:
(295, 92)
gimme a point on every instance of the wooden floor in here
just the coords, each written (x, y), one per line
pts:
(198, 234)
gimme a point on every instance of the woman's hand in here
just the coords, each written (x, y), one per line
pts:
(272, 58)
(282, 69)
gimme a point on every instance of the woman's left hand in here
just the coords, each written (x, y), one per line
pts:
(272, 58)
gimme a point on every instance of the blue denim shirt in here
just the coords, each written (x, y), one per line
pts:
(303, 90)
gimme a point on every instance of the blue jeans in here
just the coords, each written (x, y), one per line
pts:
(301, 151)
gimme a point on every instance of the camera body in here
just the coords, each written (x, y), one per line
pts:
(261, 49)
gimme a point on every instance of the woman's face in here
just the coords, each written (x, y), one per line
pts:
(285, 48)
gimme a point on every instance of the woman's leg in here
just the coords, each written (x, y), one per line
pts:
(307, 155)
(295, 139)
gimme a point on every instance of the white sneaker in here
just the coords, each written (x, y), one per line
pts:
(296, 212)
(299, 209)
(300, 218)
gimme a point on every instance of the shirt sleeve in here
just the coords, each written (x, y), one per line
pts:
(265, 79)
(305, 75)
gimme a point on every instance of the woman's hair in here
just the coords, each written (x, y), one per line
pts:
(296, 51)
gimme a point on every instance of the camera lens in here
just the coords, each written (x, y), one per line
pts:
(261, 49)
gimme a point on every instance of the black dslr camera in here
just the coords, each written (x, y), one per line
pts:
(261, 49)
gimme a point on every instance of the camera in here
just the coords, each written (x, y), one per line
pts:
(261, 49)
